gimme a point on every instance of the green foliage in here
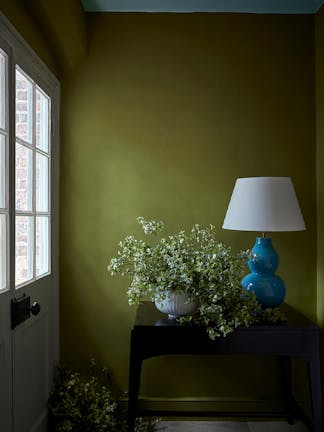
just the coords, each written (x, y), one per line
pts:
(196, 263)
(88, 404)
(271, 316)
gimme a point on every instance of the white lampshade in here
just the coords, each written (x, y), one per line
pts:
(264, 204)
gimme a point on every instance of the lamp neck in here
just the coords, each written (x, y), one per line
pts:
(263, 242)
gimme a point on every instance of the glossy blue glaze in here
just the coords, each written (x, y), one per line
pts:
(269, 288)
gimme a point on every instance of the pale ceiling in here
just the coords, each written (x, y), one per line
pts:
(239, 6)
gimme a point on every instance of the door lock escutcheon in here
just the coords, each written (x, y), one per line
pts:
(21, 310)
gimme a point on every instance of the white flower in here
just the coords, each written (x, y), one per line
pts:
(207, 269)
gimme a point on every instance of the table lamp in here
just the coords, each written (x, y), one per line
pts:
(264, 204)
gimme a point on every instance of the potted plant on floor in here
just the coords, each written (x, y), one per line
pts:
(89, 402)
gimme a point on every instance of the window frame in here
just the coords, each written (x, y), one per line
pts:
(20, 54)
(36, 150)
(5, 132)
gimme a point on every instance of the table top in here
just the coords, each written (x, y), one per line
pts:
(154, 334)
(147, 315)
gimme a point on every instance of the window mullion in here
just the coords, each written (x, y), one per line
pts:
(34, 178)
(4, 217)
(24, 143)
(24, 213)
(33, 215)
(11, 147)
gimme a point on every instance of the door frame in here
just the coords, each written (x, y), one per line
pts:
(22, 54)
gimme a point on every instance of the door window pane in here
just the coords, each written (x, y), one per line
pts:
(24, 248)
(42, 245)
(33, 161)
(42, 124)
(3, 249)
(24, 178)
(2, 171)
(3, 64)
(24, 107)
(41, 183)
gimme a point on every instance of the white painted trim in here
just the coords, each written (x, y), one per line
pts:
(21, 53)
(4, 133)
(32, 146)
(55, 176)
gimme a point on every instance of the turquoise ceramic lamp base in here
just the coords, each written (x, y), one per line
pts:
(269, 288)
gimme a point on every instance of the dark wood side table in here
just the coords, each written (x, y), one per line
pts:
(153, 335)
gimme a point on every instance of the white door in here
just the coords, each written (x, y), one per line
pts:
(28, 234)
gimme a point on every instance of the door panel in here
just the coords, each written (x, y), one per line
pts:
(29, 352)
(5, 286)
(5, 363)
(31, 372)
(32, 341)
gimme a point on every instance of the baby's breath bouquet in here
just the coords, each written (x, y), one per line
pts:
(195, 262)
(83, 404)
(89, 402)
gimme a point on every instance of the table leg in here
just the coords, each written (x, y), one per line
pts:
(314, 375)
(135, 366)
(285, 363)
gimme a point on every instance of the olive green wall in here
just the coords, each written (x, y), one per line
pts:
(319, 32)
(320, 162)
(59, 45)
(63, 25)
(19, 15)
(160, 118)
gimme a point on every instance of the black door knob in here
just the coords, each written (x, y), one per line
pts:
(35, 308)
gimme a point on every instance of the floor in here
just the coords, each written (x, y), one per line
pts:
(228, 426)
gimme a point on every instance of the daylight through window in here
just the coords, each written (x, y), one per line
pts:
(32, 244)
